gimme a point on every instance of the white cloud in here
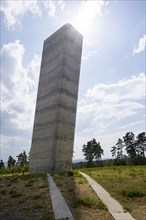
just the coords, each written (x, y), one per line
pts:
(50, 7)
(141, 45)
(114, 101)
(109, 110)
(34, 67)
(61, 4)
(15, 10)
(132, 88)
(19, 85)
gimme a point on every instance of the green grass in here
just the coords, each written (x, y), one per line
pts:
(87, 202)
(91, 203)
(126, 184)
(130, 192)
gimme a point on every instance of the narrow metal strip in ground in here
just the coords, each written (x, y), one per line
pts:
(60, 207)
(113, 206)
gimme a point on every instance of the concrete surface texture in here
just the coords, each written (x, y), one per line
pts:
(60, 207)
(54, 124)
(113, 206)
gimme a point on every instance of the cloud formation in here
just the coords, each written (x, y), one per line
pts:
(108, 111)
(18, 86)
(50, 7)
(15, 10)
(107, 107)
(141, 45)
(126, 89)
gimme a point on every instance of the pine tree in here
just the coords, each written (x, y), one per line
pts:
(11, 161)
(22, 159)
(2, 165)
(92, 151)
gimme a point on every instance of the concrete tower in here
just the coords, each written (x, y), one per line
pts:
(54, 124)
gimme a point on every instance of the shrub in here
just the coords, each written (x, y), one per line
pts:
(70, 173)
(129, 192)
(87, 202)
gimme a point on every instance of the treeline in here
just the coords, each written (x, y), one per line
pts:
(129, 150)
(19, 165)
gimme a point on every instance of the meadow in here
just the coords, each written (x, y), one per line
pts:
(27, 196)
(127, 184)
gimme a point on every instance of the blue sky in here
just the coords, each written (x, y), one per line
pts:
(111, 97)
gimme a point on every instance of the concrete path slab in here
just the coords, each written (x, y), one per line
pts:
(60, 207)
(113, 206)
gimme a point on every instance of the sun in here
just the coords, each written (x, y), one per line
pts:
(86, 13)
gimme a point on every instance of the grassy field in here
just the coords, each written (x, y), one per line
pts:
(25, 197)
(126, 184)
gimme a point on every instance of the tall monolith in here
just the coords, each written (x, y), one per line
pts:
(55, 115)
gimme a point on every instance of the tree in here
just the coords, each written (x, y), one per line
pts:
(117, 152)
(92, 151)
(2, 165)
(114, 151)
(120, 146)
(11, 161)
(135, 148)
(141, 144)
(22, 159)
(130, 144)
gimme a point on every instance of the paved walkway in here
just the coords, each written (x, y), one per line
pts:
(60, 207)
(113, 206)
